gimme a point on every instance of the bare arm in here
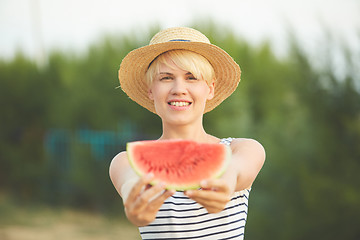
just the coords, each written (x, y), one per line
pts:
(247, 160)
(248, 157)
(141, 201)
(121, 173)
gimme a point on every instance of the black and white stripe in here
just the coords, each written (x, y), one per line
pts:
(183, 218)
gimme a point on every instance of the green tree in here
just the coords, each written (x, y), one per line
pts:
(306, 115)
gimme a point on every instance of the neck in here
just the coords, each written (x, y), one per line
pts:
(186, 132)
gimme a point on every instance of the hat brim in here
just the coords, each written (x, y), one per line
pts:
(134, 66)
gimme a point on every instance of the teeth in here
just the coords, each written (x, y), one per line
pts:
(179, 104)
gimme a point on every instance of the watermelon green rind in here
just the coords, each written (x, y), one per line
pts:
(179, 187)
(129, 147)
(228, 156)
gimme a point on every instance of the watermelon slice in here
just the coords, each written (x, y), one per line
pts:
(180, 164)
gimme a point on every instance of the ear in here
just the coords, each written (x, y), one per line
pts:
(150, 95)
(212, 91)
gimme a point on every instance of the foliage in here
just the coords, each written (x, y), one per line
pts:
(307, 118)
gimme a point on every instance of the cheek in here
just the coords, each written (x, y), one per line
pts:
(157, 93)
(206, 92)
(153, 91)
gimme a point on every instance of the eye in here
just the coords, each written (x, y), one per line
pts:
(165, 78)
(191, 77)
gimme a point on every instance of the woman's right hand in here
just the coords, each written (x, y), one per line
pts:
(144, 200)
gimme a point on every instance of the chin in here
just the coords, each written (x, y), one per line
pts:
(180, 117)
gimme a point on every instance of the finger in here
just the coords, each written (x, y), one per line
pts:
(145, 210)
(157, 202)
(214, 209)
(216, 185)
(211, 205)
(212, 201)
(143, 200)
(152, 192)
(208, 196)
(138, 187)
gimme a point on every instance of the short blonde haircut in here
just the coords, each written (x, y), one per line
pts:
(186, 60)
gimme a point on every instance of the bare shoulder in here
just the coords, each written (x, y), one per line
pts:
(119, 161)
(248, 144)
(249, 148)
(120, 170)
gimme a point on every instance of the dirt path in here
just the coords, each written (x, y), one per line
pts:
(52, 224)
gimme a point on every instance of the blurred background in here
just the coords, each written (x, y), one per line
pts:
(63, 118)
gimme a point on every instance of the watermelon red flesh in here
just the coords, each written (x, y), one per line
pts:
(180, 164)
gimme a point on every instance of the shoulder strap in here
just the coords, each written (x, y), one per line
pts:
(226, 141)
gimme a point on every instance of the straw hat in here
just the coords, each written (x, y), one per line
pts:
(134, 66)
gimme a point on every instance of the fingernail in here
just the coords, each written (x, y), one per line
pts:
(149, 176)
(171, 192)
(189, 192)
(203, 183)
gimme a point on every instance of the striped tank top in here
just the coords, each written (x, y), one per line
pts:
(182, 218)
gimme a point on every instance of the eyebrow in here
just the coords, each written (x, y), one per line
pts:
(165, 73)
(188, 73)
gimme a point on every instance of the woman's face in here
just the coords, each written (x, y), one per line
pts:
(179, 97)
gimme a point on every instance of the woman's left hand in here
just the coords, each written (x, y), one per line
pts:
(213, 195)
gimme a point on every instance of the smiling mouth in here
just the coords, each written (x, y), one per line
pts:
(179, 104)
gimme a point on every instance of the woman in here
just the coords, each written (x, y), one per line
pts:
(180, 76)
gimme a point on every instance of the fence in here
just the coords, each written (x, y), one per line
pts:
(60, 143)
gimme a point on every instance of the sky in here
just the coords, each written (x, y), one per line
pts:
(35, 27)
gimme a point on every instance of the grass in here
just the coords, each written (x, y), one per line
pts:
(44, 223)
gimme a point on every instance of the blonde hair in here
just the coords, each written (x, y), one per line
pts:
(186, 60)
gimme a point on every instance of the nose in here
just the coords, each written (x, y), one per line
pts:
(179, 87)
